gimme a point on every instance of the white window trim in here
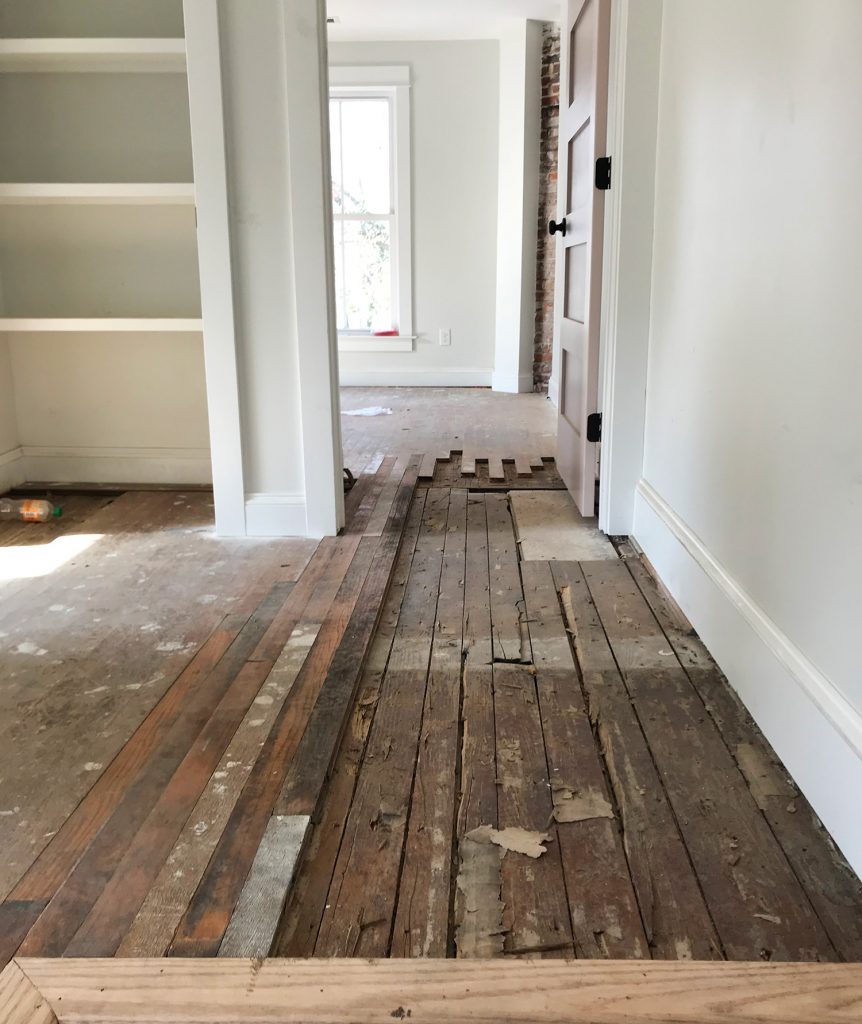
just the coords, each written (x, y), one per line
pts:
(393, 82)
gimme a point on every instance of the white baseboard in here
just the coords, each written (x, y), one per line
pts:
(511, 384)
(813, 728)
(453, 377)
(117, 465)
(554, 392)
(12, 472)
(275, 515)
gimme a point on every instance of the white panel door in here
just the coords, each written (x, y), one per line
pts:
(583, 130)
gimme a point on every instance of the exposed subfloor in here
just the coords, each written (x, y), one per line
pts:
(186, 719)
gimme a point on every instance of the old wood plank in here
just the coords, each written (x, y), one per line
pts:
(604, 910)
(523, 466)
(313, 759)
(829, 882)
(468, 464)
(755, 899)
(78, 893)
(153, 928)
(17, 917)
(426, 470)
(364, 886)
(202, 927)
(424, 896)
(255, 920)
(361, 515)
(510, 636)
(120, 899)
(477, 907)
(449, 992)
(495, 468)
(675, 915)
(308, 894)
(536, 915)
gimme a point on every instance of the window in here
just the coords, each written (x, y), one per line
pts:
(370, 146)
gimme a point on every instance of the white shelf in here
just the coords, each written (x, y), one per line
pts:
(86, 194)
(117, 325)
(156, 55)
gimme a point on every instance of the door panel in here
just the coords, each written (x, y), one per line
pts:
(583, 131)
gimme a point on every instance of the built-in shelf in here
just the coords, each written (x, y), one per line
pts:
(86, 194)
(117, 325)
(156, 55)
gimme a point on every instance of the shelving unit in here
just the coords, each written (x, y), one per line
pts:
(73, 55)
(90, 194)
(100, 329)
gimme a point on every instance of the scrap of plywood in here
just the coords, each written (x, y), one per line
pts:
(549, 527)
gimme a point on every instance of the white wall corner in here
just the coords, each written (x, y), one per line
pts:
(815, 731)
(12, 469)
(276, 515)
(314, 287)
(517, 202)
(627, 260)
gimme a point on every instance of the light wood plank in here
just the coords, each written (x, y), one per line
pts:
(495, 468)
(20, 1001)
(523, 466)
(261, 901)
(446, 992)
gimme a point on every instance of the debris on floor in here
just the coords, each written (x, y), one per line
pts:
(480, 932)
(513, 840)
(571, 805)
(372, 410)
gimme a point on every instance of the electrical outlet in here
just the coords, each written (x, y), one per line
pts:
(444, 336)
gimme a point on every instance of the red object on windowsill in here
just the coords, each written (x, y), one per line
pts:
(386, 334)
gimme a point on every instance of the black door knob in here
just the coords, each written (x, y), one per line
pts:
(553, 227)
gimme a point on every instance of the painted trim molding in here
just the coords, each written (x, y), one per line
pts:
(115, 465)
(372, 343)
(814, 729)
(275, 515)
(12, 470)
(554, 392)
(513, 384)
(445, 377)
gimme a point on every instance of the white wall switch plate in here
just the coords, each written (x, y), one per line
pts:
(444, 336)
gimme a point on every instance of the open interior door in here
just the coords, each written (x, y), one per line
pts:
(583, 132)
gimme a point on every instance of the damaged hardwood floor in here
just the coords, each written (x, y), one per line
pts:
(402, 742)
(543, 760)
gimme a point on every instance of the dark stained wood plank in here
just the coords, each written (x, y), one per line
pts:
(424, 895)
(829, 882)
(17, 917)
(312, 762)
(673, 910)
(358, 921)
(509, 632)
(307, 900)
(536, 914)
(604, 910)
(204, 923)
(360, 515)
(477, 909)
(78, 893)
(759, 908)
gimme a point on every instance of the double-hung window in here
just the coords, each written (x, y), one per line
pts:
(369, 121)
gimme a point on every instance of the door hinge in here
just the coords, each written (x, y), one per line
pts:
(594, 427)
(603, 173)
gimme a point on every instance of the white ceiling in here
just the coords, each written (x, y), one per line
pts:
(432, 19)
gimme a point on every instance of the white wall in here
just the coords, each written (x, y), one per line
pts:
(751, 503)
(454, 108)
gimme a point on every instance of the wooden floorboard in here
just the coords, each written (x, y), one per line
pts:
(343, 751)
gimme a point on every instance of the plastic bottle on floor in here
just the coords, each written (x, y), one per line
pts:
(28, 510)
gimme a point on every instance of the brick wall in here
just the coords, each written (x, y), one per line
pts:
(544, 336)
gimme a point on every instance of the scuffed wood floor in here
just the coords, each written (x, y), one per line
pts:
(567, 700)
(398, 711)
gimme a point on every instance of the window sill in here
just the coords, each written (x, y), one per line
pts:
(370, 343)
